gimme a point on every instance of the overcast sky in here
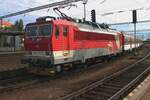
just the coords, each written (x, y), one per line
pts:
(102, 7)
(107, 6)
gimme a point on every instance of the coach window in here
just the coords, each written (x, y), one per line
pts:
(57, 31)
(65, 31)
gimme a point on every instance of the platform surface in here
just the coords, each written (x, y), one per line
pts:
(146, 95)
(141, 92)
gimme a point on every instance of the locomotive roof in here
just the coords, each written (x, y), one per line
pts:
(90, 28)
(35, 23)
(87, 26)
(81, 25)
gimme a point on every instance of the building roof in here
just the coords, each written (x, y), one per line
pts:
(6, 23)
(11, 33)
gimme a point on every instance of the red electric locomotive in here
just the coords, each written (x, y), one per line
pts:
(53, 44)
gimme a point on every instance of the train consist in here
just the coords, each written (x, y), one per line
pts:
(53, 44)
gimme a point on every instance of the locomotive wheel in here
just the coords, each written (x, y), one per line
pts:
(52, 72)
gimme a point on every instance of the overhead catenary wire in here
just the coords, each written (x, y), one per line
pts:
(40, 8)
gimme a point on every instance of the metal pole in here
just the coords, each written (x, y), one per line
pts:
(84, 3)
(135, 38)
(84, 11)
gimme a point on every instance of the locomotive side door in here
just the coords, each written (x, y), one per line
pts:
(65, 41)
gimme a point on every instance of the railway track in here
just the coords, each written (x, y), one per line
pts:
(116, 86)
(11, 80)
(20, 78)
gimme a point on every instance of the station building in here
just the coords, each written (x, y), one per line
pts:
(9, 41)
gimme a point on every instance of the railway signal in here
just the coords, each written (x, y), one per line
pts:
(93, 15)
(134, 15)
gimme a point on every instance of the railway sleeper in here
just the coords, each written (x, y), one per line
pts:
(113, 85)
(102, 93)
(136, 69)
(88, 96)
(108, 89)
(93, 97)
(118, 80)
(122, 82)
(79, 98)
(119, 77)
(128, 78)
(106, 92)
(139, 69)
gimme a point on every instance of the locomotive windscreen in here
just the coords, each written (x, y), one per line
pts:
(39, 30)
(31, 30)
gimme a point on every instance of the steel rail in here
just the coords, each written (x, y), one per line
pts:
(120, 93)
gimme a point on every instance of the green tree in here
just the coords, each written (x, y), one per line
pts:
(18, 26)
(8, 28)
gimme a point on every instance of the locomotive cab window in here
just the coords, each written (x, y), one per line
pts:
(65, 31)
(31, 30)
(45, 30)
(57, 31)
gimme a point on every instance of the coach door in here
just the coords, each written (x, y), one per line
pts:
(65, 40)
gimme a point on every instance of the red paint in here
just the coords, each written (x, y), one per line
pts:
(6, 23)
(75, 39)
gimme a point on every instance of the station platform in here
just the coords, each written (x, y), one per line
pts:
(141, 92)
(146, 95)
